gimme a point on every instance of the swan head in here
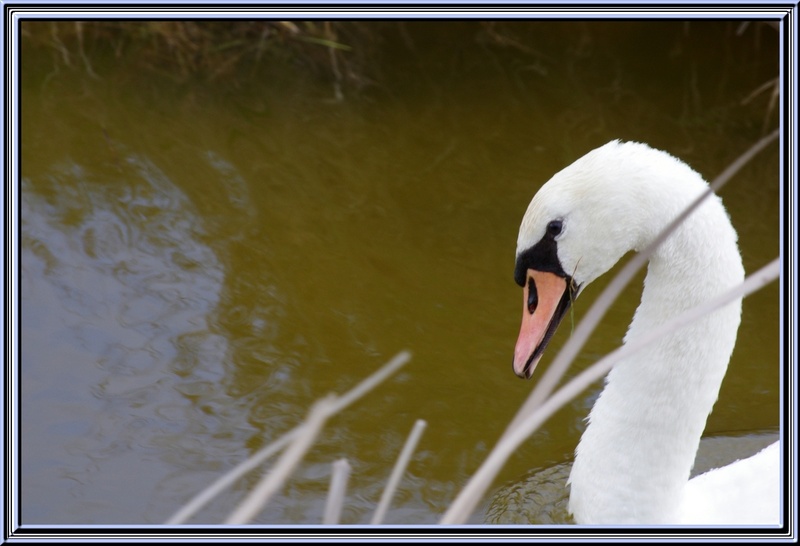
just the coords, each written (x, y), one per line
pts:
(578, 225)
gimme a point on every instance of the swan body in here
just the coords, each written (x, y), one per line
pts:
(633, 461)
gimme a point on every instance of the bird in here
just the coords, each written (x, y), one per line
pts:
(633, 461)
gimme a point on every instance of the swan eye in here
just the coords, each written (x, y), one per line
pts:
(533, 297)
(554, 227)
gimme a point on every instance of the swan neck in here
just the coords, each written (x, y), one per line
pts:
(635, 457)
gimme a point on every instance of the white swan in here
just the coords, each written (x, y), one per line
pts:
(632, 463)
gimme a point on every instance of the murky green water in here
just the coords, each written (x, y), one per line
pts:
(201, 261)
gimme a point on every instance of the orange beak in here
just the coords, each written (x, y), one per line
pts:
(546, 298)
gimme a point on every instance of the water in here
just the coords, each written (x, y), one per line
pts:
(202, 260)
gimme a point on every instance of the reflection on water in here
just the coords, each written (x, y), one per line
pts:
(200, 264)
(117, 287)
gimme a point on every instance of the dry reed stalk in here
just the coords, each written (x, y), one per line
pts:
(397, 471)
(466, 501)
(340, 472)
